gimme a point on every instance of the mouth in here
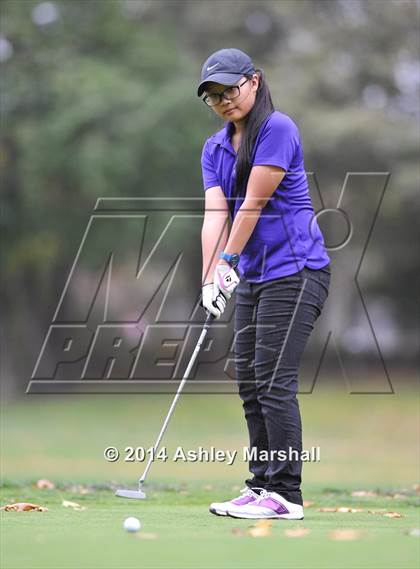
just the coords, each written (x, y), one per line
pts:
(228, 111)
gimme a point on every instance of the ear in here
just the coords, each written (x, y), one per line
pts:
(255, 82)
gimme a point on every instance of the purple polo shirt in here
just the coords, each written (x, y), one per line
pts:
(286, 237)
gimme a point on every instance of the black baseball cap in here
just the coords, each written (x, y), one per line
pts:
(225, 66)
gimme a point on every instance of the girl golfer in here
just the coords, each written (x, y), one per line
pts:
(274, 256)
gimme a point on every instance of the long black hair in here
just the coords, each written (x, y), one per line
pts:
(262, 108)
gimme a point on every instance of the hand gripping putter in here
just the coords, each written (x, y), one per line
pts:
(139, 494)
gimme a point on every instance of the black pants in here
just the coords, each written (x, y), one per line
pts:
(273, 321)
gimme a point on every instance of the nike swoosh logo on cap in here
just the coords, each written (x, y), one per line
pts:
(212, 66)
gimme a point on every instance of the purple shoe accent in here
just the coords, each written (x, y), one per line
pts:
(278, 507)
(242, 500)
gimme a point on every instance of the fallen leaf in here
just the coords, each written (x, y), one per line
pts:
(74, 505)
(342, 510)
(261, 529)
(364, 493)
(296, 532)
(23, 507)
(416, 487)
(383, 512)
(44, 484)
(345, 534)
(238, 531)
(308, 503)
(142, 535)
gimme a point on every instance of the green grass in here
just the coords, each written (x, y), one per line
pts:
(367, 442)
(188, 536)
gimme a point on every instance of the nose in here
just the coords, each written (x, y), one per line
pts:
(225, 101)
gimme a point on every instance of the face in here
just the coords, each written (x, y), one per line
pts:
(236, 109)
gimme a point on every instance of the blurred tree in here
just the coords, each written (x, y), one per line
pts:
(98, 99)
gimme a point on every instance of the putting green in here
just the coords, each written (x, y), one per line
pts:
(178, 532)
(63, 439)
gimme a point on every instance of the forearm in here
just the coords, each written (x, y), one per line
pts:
(243, 225)
(214, 236)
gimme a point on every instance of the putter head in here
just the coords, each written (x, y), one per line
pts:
(134, 494)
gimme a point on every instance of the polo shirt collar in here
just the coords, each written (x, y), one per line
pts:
(223, 138)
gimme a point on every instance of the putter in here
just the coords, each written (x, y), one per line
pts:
(139, 494)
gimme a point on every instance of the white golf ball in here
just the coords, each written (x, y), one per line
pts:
(132, 524)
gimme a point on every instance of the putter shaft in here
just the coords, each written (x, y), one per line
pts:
(178, 393)
(139, 494)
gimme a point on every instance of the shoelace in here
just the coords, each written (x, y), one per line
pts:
(249, 492)
(264, 494)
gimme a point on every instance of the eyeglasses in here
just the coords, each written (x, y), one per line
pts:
(230, 93)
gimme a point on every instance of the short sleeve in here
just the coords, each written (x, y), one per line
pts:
(278, 143)
(207, 167)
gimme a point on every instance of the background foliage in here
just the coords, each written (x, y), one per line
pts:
(98, 99)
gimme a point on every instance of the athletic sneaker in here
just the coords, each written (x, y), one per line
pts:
(267, 505)
(247, 496)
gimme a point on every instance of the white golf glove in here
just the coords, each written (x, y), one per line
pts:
(226, 279)
(215, 304)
